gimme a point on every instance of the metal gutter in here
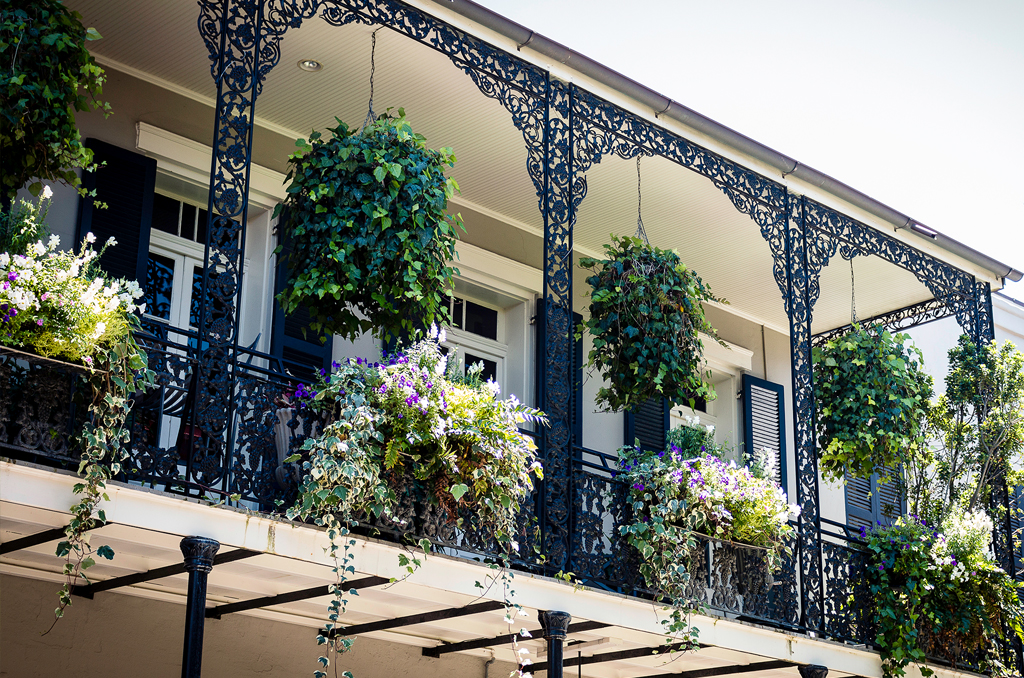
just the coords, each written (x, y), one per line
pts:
(666, 107)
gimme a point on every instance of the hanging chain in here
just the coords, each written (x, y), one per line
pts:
(640, 232)
(853, 295)
(370, 115)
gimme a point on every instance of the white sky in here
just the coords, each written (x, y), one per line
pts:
(918, 103)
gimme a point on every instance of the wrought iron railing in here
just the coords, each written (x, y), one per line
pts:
(40, 414)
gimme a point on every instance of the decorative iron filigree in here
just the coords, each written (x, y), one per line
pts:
(900, 319)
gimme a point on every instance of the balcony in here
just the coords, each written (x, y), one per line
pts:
(38, 417)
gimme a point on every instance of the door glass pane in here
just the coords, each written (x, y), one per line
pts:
(490, 371)
(159, 284)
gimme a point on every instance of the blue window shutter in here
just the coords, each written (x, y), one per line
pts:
(649, 424)
(764, 421)
(291, 341)
(125, 181)
(869, 502)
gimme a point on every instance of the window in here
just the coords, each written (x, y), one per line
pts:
(174, 271)
(476, 335)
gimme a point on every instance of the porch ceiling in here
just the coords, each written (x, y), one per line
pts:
(265, 574)
(682, 210)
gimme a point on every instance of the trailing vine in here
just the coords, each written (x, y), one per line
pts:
(872, 395)
(60, 305)
(645, 319)
(365, 232)
(412, 422)
(119, 372)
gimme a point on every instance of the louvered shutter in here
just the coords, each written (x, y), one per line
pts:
(649, 424)
(125, 182)
(291, 340)
(859, 511)
(869, 502)
(764, 421)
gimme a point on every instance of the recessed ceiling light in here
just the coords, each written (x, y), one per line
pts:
(311, 65)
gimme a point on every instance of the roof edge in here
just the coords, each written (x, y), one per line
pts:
(667, 107)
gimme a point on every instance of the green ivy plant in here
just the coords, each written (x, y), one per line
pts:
(368, 237)
(414, 420)
(937, 591)
(47, 76)
(691, 489)
(645, 320)
(872, 397)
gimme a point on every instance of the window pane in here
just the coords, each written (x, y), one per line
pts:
(165, 214)
(159, 283)
(188, 221)
(201, 228)
(490, 370)
(482, 321)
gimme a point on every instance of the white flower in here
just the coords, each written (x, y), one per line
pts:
(39, 249)
(54, 240)
(90, 238)
(111, 242)
(47, 192)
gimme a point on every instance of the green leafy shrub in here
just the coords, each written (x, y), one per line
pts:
(413, 419)
(370, 240)
(938, 592)
(675, 493)
(645, 316)
(48, 76)
(872, 396)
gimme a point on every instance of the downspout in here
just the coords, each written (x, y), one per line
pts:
(666, 107)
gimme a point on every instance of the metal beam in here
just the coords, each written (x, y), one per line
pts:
(294, 596)
(422, 618)
(53, 534)
(614, 656)
(727, 670)
(436, 652)
(159, 573)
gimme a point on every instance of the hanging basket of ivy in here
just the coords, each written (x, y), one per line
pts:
(645, 320)
(872, 396)
(368, 239)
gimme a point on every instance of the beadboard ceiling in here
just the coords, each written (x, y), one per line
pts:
(158, 40)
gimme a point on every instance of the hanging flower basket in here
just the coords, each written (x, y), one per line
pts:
(645, 319)
(872, 396)
(367, 240)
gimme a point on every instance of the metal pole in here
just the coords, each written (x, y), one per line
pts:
(555, 625)
(198, 553)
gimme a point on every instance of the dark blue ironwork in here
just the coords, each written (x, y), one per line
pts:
(900, 319)
(229, 403)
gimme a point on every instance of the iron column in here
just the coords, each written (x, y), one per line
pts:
(555, 625)
(198, 553)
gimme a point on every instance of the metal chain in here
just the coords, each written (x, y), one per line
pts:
(640, 232)
(853, 295)
(370, 115)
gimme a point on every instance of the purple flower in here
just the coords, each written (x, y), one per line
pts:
(638, 486)
(12, 276)
(39, 322)
(335, 364)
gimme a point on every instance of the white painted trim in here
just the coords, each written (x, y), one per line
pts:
(190, 161)
(499, 273)
(26, 486)
(733, 359)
